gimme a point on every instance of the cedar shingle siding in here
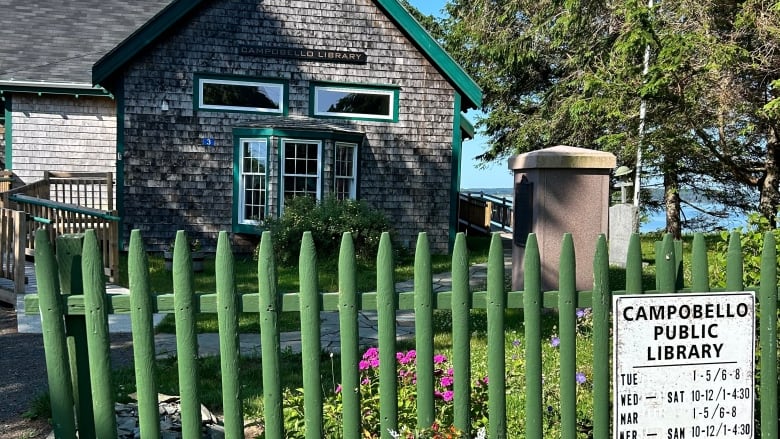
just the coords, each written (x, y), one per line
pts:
(63, 133)
(173, 182)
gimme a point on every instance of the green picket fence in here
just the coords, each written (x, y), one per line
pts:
(97, 419)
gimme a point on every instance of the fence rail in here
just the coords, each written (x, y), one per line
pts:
(95, 305)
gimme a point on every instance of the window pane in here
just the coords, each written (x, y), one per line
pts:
(252, 193)
(242, 94)
(301, 169)
(345, 101)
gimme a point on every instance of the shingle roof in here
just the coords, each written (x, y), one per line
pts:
(58, 41)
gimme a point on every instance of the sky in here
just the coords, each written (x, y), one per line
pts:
(494, 176)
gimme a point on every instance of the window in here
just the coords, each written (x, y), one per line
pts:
(355, 102)
(345, 170)
(263, 96)
(253, 179)
(300, 168)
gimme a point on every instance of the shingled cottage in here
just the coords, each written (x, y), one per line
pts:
(214, 113)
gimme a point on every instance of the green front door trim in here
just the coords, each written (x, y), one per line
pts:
(9, 150)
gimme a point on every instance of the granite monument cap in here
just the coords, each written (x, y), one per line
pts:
(564, 157)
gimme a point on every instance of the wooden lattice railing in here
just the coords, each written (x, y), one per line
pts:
(70, 202)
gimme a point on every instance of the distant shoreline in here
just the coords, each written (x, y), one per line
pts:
(654, 221)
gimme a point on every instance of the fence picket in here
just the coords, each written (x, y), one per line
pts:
(700, 272)
(227, 317)
(349, 336)
(666, 265)
(567, 299)
(532, 310)
(423, 327)
(310, 337)
(496, 340)
(186, 337)
(734, 263)
(269, 337)
(634, 265)
(387, 304)
(54, 338)
(96, 309)
(602, 303)
(461, 334)
(768, 337)
(143, 337)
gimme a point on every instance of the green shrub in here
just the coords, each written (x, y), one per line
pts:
(752, 241)
(327, 220)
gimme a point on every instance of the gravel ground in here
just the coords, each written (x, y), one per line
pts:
(23, 375)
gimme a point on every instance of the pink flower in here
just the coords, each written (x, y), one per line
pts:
(446, 381)
(364, 364)
(439, 358)
(338, 388)
(447, 395)
(371, 353)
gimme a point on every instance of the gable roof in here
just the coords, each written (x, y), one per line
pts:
(47, 44)
(113, 61)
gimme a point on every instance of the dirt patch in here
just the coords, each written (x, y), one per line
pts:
(23, 375)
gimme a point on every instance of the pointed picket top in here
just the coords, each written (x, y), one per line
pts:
(634, 265)
(734, 281)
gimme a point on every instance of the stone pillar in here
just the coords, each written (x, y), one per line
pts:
(560, 190)
(623, 222)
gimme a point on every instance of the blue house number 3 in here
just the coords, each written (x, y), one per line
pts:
(208, 141)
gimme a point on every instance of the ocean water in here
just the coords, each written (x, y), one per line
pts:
(651, 222)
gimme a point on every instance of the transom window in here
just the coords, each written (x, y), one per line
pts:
(345, 170)
(300, 168)
(261, 96)
(355, 102)
(254, 182)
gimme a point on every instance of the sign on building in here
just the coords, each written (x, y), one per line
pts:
(683, 366)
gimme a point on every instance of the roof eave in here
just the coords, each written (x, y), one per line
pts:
(43, 87)
(470, 91)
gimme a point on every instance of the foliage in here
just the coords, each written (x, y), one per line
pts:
(573, 73)
(444, 397)
(327, 220)
(752, 243)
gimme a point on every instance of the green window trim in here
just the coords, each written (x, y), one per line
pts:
(200, 79)
(389, 91)
(8, 132)
(277, 137)
(239, 226)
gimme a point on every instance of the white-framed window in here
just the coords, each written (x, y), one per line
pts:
(255, 96)
(301, 168)
(345, 171)
(353, 102)
(253, 181)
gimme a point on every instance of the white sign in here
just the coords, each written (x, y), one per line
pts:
(683, 366)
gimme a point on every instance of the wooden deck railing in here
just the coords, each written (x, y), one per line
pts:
(68, 202)
(13, 234)
(485, 213)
